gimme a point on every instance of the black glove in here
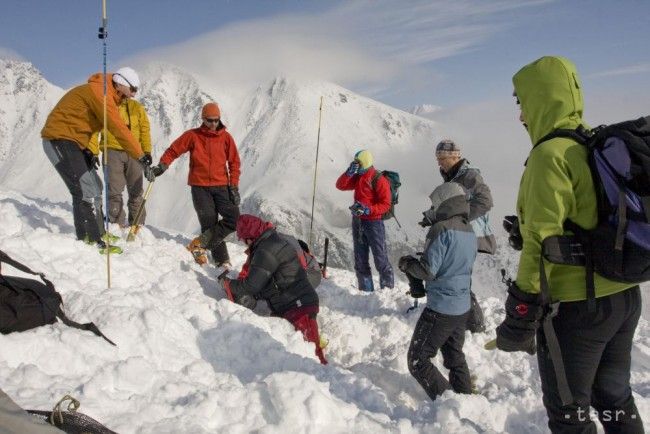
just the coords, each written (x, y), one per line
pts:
(511, 225)
(92, 160)
(148, 173)
(523, 314)
(405, 262)
(233, 194)
(416, 287)
(247, 301)
(159, 169)
(146, 160)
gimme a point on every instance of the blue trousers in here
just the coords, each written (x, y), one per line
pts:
(371, 235)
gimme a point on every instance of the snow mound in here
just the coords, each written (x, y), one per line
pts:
(188, 360)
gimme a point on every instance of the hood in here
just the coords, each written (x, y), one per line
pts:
(98, 80)
(550, 95)
(447, 200)
(250, 227)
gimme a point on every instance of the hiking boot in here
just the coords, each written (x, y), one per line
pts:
(200, 255)
(110, 238)
(195, 244)
(103, 249)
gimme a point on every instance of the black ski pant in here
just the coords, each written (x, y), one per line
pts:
(436, 331)
(210, 204)
(84, 185)
(596, 349)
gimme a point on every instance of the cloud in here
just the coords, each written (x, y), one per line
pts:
(368, 45)
(642, 68)
(8, 53)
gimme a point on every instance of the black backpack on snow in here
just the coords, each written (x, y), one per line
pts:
(28, 303)
(394, 183)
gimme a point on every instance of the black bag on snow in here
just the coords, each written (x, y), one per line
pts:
(28, 303)
(475, 319)
(619, 247)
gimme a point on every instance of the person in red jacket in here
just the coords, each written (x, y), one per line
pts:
(372, 198)
(214, 179)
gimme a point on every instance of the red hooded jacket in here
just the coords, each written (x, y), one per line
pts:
(377, 199)
(213, 156)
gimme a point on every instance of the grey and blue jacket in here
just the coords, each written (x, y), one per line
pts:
(449, 252)
(480, 202)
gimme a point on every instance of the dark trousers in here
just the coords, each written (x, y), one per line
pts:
(371, 235)
(211, 203)
(596, 350)
(436, 331)
(124, 171)
(84, 185)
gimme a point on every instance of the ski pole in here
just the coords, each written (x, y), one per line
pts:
(313, 195)
(135, 227)
(103, 35)
(326, 249)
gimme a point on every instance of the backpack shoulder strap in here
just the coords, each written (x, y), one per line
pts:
(580, 135)
(18, 266)
(375, 177)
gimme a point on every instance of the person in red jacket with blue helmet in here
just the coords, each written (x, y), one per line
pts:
(372, 198)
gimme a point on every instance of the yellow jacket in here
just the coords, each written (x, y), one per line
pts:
(80, 112)
(136, 119)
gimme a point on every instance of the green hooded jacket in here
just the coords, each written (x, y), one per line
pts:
(556, 184)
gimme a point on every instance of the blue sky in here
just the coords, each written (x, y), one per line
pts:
(404, 53)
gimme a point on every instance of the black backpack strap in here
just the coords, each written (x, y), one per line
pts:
(89, 326)
(24, 268)
(375, 177)
(553, 345)
(57, 310)
(580, 135)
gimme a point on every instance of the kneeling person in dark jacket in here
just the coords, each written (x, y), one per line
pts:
(446, 269)
(274, 272)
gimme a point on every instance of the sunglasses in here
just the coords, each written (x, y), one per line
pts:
(211, 121)
(132, 88)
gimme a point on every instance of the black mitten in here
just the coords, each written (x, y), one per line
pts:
(523, 314)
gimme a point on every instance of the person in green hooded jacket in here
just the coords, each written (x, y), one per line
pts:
(595, 343)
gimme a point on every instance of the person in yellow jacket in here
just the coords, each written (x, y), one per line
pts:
(66, 135)
(124, 170)
(591, 336)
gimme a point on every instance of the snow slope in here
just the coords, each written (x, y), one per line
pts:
(189, 361)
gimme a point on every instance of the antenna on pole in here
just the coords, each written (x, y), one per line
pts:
(103, 35)
(313, 196)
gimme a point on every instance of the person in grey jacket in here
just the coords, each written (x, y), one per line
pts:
(454, 168)
(446, 269)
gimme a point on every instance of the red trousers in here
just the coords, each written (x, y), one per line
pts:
(304, 319)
